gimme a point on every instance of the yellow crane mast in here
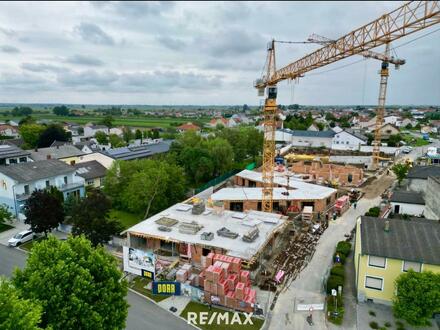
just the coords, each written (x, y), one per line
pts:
(409, 18)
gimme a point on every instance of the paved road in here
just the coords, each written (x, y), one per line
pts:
(142, 313)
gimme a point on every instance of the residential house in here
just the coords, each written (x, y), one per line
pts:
(218, 121)
(10, 154)
(432, 198)
(139, 152)
(348, 140)
(90, 130)
(116, 130)
(100, 157)
(386, 130)
(19, 181)
(66, 153)
(386, 248)
(92, 172)
(313, 127)
(188, 127)
(417, 178)
(300, 138)
(408, 202)
(73, 128)
(9, 130)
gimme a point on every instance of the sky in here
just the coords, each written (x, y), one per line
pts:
(197, 53)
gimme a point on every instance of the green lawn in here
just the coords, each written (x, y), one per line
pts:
(196, 307)
(139, 284)
(28, 245)
(125, 218)
(414, 142)
(4, 227)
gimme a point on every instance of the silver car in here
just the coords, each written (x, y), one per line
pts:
(21, 237)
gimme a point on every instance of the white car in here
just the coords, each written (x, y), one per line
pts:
(21, 237)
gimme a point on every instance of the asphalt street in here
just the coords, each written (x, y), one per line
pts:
(142, 313)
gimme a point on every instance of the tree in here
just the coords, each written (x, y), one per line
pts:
(116, 141)
(53, 132)
(79, 286)
(61, 110)
(5, 214)
(15, 312)
(138, 134)
(21, 111)
(31, 134)
(373, 212)
(44, 211)
(400, 170)
(101, 137)
(127, 134)
(90, 217)
(394, 140)
(145, 186)
(221, 155)
(418, 296)
(108, 121)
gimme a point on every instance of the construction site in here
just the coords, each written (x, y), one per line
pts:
(261, 228)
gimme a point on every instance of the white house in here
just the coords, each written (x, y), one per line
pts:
(9, 130)
(348, 140)
(407, 202)
(299, 138)
(91, 130)
(17, 182)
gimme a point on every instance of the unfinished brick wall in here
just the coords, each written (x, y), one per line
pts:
(326, 172)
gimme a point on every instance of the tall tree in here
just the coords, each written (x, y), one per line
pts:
(61, 110)
(53, 132)
(417, 296)
(31, 134)
(108, 121)
(44, 211)
(138, 134)
(127, 134)
(90, 217)
(21, 111)
(15, 312)
(116, 141)
(5, 214)
(79, 286)
(400, 170)
(101, 137)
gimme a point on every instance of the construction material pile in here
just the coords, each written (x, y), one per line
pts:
(225, 284)
(225, 232)
(189, 227)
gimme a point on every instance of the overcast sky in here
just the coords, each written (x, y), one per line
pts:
(195, 53)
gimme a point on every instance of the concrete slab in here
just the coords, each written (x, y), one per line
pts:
(179, 302)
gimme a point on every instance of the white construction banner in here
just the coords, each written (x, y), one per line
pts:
(138, 262)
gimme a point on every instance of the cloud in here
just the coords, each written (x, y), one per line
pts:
(87, 78)
(136, 9)
(9, 49)
(8, 32)
(171, 43)
(23, 82)
(94, 34)
(41, 67)
(84, 60)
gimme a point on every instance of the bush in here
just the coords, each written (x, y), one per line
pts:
(374, 325)
(343, 247)
(373, 212)
(341, 256)
(333, 282)
(372, 313)
(387, 324)
(338, 270)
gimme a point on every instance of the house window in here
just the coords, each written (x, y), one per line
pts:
(47, 183)
(236, 206)
(346, 142)
(415, 266)
(252, 183)
(65, 180)
(90, 182)
(26, 189)
(23, 160)
(375, 283)
(12, 161)
(376, 261)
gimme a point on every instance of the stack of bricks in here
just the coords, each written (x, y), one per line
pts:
(223, 278)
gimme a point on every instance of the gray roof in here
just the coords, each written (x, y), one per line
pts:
(411, 240)
(58, 152)
(25, 172)
(10, 150)
(321, 134)
(422, 172)
(137, 152)
(409, 197)
(90, 170)
(357, 134)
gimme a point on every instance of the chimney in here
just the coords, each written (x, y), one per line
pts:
(387, 225)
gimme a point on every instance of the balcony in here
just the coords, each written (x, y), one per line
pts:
(70, 186)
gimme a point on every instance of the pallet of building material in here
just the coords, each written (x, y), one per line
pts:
(198, 208)
(189, 227)
(168, 222)
(164, 228)
(251, 235)
(225, 232)
(207, 236)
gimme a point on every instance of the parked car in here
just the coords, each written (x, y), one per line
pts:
(21, 237)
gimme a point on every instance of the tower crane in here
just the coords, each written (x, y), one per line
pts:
(409, 18)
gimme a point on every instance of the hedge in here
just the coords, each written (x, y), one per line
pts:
(338, 270)
(343, 247)
(333, 282)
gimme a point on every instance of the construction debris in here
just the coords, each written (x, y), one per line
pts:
(189, 227)
(225, 232)
(164, 228)
(164, 221)
(207, 236)
(198, 207)
(251, 235)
